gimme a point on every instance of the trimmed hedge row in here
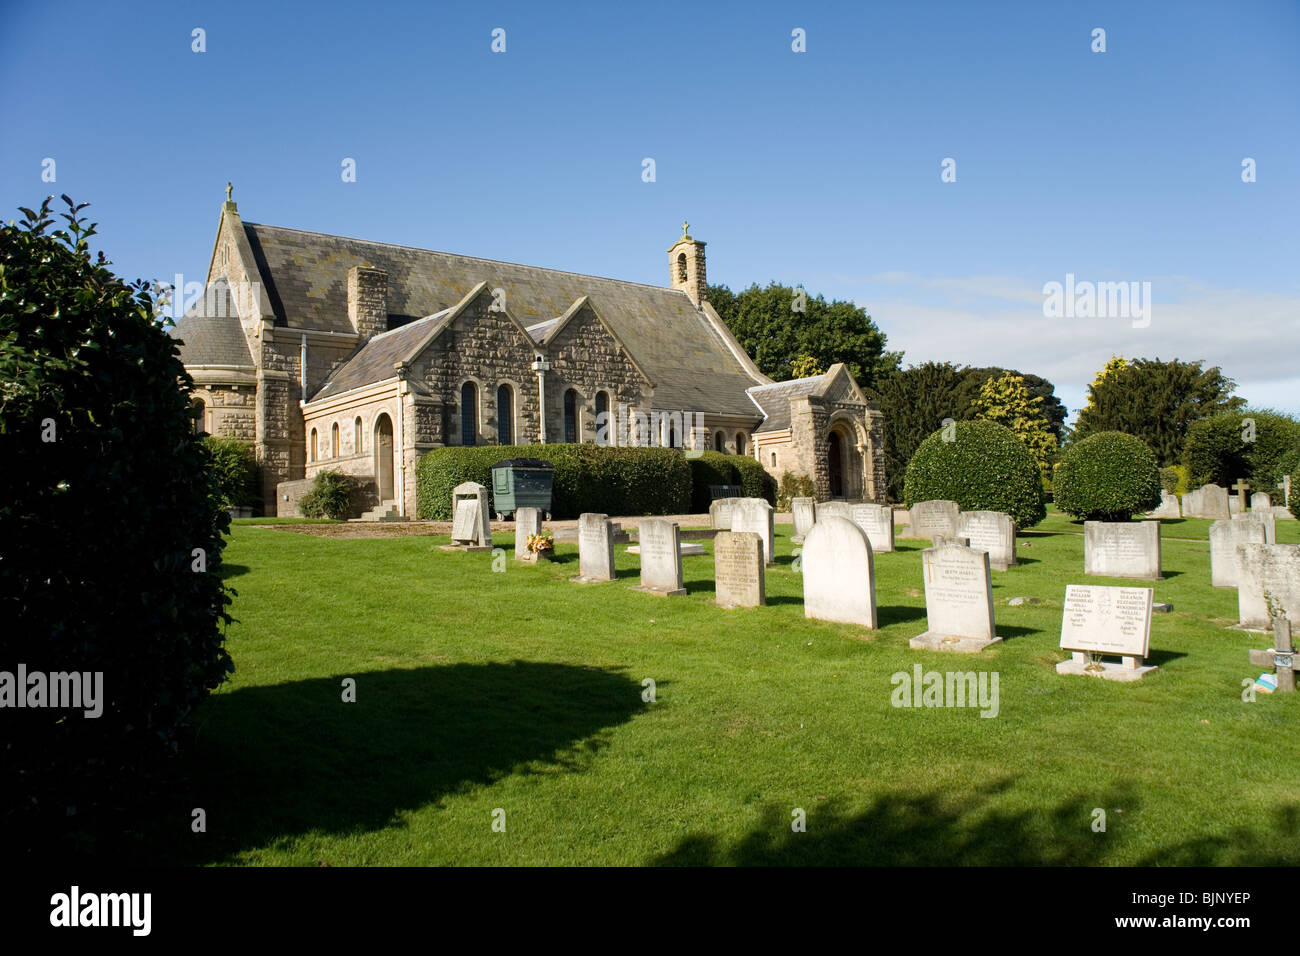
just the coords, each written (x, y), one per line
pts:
(715, 468)
(595, 478)
(985, 467)
(1109, 476)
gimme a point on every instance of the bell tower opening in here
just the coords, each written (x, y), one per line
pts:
(686, 267)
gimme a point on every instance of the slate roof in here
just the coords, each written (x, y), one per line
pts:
(373, 362)
(691, 367)
(210, 333)
(774, 399)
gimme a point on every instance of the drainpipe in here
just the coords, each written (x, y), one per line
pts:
(541, 367)
(302, 359)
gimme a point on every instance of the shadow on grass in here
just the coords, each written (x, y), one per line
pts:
(232, 570)
(941, 829)
(887, 614)
(273, 763)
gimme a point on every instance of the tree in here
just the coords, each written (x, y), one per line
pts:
(111, 526)
(1051, 409)
(1006, 401)
(915, 402)
(779, 325)
(1252, 444)
(1156, 401)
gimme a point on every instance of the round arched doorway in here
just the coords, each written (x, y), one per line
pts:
(383, 445)
(835, 464)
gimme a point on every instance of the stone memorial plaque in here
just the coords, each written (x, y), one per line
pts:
(1268, 573)
(958, 600)
(878, 523)
(1097, 620)
(661, 559)
(1122, 549)
(1225, 537)
(595, 549)
(463, 521)
(739, 569)
(838, 573)
(527, 521)
(990, 531)
(755, 514)
(929, 517)
(804, 513)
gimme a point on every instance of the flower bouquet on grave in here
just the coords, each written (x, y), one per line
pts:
(540, 547)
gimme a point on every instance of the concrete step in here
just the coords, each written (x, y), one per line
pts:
(387, 511)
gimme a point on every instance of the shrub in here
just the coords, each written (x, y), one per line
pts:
(330, 496)
(105, 495)
(1108, 476)
(793, 486)
(1234, 445)
(986, 468)
(1169, 480)
(593, 478)
(235, 470)
(755, 482)
(711, 468)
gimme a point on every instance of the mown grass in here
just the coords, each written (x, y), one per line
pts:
(522, 692)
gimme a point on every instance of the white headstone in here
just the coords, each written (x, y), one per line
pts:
(1207, 501)
(990, 531)
(1225, 537)
(1265, 519)
(595, 549)
(1168, 507)
(1261, 501)
(528, 521)
(1269, 574)
(839, 581)
(661, 558)
(720, 512)
(1234, 506)
(755, 514)
(804, 513)
(838, 509)
(958, 600)
(927, 517)
(878, 522)
(470, 526)
(1099, 620)
(1122, 549)
(739, 569)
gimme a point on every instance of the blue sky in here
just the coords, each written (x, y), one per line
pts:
(821, 168)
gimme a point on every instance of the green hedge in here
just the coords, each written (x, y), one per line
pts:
(594, 478)
(1109, 476)
(986, 468)
(1222, 448)
(715, 468)
(330, 496)
(235, 470)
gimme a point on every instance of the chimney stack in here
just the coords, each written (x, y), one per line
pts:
(368, 300)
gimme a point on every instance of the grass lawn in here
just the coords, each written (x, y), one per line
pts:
(521, 691)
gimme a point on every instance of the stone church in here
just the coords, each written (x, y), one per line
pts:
(326, 352)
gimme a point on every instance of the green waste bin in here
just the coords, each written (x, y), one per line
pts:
(521, 483)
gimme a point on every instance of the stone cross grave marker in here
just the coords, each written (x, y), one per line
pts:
(595, 549)
(1268, 585)
(878, 523)
(528, 521)
(1099, 620)
(1122, 549)
(470, 530)
(739, 569)
(804, 512)
(661, 557)
(1241, 487)
(958, 600)
(990, 531)
(1282, 656)
(755, 514)
(839, 582)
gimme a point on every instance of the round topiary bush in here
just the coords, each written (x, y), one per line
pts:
(983, 467)
(1108, 476)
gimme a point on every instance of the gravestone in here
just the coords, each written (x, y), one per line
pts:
(739, 569)
(720, 512)
(687, 549)
(661, 557)
(1266, 520)
(1099, 620)
(990, 531)
(1207, 501)
(755, 514)
(838, 509)
(595, 549)
(1241, 487)
(527, 521)
(804, 512)
(928, 517)
(1269, 575)
(1225, 537)
(878, 523)
(958, 600)
(943, 537)
(839, 573)
(1122, 549)
(1283, 513)
(1281, 656)
(1261, 501)
(1168, 507)
(470, 530)
(1234, 506)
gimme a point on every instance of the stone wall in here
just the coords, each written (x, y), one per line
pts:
(586, 358)
(230, 411)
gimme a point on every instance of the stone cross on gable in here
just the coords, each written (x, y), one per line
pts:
(229, 189)
(1241, 487)
(685, 225)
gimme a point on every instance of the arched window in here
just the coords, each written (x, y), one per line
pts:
(604, 427)
(313, 444)
(571, 416)
(334, 441)
(773, 459)
(720, 442)
(674, 438)
(505, 415)
(468, 414)
(199, 412)
(740, 443)
(356, 437)
(681, 267)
